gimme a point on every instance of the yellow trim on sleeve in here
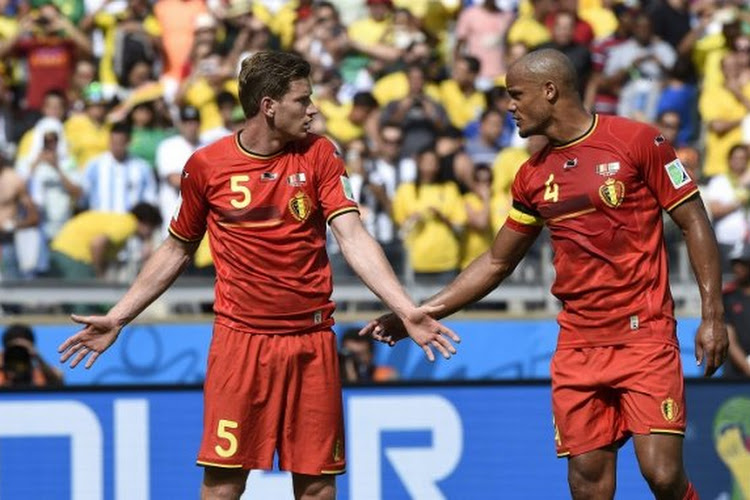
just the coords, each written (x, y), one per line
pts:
(214, 464)
(682, 200)
(180, 237)
(524, 218)
(341, 211)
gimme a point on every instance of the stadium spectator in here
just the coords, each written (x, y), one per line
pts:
(431, 216)
(605, 389)
(637, 70)
(668, 123)
(529, 29)
(50, 43)
(480, 33)
(171, 156)
(21, 365)
(723, 108)
(276, 176)
(357, 360)
(87, 245)
(53, 106)
(84, 74)
(737, 307)
(459, 95)
(562, 40)
(421, 117)
(583, 33)
(87, 132)
(727, 198)
(671, 20)
(478, 235)
(601, 94)
(455, 164)
(17, 211)
(176, 20)
(226, 103)
(484, 148)
(116, 181)
(681, 95)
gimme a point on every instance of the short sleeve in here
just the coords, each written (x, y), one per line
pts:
(662, 171)
(523, 216)
(189, 219)
(335, 192)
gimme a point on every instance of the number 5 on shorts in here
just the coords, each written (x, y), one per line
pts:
(224, 433)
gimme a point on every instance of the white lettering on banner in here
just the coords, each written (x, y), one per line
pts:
(419, 469)
(131, 430)
(67, 419)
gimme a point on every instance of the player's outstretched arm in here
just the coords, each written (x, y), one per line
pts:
(100, 332)
(711, 341)
(482, 276)
(366, 258)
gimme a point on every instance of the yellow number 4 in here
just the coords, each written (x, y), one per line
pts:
(223, 432)
(551, 189)
(236, 186)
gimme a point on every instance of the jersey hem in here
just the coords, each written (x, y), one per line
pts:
(340, 211)
(682, 200)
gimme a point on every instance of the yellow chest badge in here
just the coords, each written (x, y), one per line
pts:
(300, 206)
(612, 192)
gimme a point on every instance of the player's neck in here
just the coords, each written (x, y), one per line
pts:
(260, 140)
(575, 124)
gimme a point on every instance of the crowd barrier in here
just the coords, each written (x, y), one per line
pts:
(171, 353)
(430, 441)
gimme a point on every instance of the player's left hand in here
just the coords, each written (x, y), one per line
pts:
(711, 345)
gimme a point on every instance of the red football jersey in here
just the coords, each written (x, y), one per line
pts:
(266, 219)
(601, 196)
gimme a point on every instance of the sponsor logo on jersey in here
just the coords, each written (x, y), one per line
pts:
(573, 162)
(185, 174)
(346, 184)
(677, 173)
(669, 409)
(300, 206)
(612, 192)
(297, 179)
(608, 169)
(659, 140)
(268, 176)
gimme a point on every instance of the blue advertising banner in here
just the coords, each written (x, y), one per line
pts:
(403, 442)
(491, 350)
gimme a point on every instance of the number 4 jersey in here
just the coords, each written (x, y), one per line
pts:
(266, 219)
(601, 196)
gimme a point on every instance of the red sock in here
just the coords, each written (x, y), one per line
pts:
(691, 494)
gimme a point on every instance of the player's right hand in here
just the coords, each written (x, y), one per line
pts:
(99, 333)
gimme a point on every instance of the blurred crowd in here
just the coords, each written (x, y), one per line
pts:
(102, 101)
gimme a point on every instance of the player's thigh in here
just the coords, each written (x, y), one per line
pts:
(308, 487)
(586, 413)
(223, 484)
(652, 389)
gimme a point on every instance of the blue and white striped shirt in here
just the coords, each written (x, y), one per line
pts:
(114, 186)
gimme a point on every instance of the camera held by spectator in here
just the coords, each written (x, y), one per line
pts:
(357, 360)
(20, 363)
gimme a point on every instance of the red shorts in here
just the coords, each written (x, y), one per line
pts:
(602, 395)
(273, 393)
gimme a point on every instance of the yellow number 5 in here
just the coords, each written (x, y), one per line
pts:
(236, 187)
(223, 432)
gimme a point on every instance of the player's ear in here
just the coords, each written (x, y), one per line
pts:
(268, 106)
(551, 92)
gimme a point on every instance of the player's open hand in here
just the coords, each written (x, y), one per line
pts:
(99, 333)
(387, 329)
(711, 345)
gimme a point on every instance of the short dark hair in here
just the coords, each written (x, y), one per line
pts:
(121, 128)
(473, 63)
(225, 98)
(147, 213)
(352, 334)
(56, 93)
(268, 74)
(17, 331)
(365, 100)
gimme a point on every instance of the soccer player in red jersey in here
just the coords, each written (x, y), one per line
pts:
(265, 196)
(600, 186)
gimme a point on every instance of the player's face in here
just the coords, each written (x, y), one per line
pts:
(294, 112)
(528, 104)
